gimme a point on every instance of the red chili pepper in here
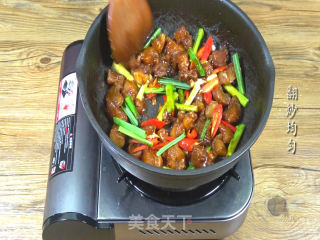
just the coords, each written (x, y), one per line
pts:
(199, 54)
(216, 119)
(207, 97)
(193, 134)
(140, 148)
(155, 141)
(187, 143)
(134, 141)
(191, 65)
(157, 85)
(160, 145)
(169, 138)
(154, 122)
(219, 69)
(207, 49)
(151, 95)
(164, 98)
(186, 94)
(210, 85)
(229, 125)
(154, 83)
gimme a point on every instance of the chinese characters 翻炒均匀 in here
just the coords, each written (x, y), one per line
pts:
(292, 95)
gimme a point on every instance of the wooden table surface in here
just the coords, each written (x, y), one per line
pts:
(33, 36)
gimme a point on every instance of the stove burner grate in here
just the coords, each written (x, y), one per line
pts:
(170, 197)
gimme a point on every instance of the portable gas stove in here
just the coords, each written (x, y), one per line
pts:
(89, 196)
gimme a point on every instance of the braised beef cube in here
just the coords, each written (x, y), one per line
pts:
(149, 156)
(172, 48)
(115, 79)
(227, 133)
(188, 75)
(140, 77)
(218, 146)
(219, 58)
(150, 129)
(220, 96)
(199, 101)
(150, 56)
(177, 129)
(233, 113)
(227, 76)
(140, 106)
(199, 125)
(182, 61)
(159, 42)
(114, 96)
(176, 158)
(202, 158)
(133, 146)
(189, 120)
(117, 137)
(163, 133)
(114, 100)
(183, 37)
(207, 67)
(161, 69)
(146, 69)
(210, 108)
(130, 89)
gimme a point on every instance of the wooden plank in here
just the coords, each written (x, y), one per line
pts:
(284, 207)
(22, 201)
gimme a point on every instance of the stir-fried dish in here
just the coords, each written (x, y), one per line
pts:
(201, 91)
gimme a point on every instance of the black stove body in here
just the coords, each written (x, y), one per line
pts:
(90, 197)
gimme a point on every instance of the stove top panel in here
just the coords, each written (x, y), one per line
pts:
(118, 201)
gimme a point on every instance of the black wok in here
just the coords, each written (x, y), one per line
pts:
(232, 27)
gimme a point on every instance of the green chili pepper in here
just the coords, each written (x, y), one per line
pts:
(181, 96)
(135, 130)
(130, 115)
(160, 114)
(191, 166)
(131, 106)
(156, 33)
(134, 136)
(204, 130)
(170, 99)
(140, 95)
(187, 108)
(237, 68)
(235, 140)
(198, 40)
(196, 62)
(165, 167)
(176, 83)
(120, 69)
(160, 90)
(234, 92)
(170, 144)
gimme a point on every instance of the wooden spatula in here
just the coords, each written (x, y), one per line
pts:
(129, 23)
